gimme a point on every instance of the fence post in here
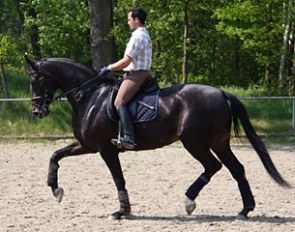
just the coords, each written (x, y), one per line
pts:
(293, 116)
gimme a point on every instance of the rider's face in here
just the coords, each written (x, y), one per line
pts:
(133, 23)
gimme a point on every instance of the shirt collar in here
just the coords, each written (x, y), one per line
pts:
(141, 28)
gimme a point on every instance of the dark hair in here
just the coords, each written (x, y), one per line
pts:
(138, 13)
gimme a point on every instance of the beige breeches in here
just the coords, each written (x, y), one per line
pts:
(131, 85)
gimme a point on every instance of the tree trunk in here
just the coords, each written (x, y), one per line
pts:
(237, 71)
(20, 18)
(286, 39)
(293, 68)
(101, 39)
(266, 74)
(35, 36)
(3, 80)
(185, 40)
(34, 30)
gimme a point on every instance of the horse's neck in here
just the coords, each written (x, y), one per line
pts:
(83, 99)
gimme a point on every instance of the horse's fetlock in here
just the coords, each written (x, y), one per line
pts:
(125, 206)
(52, 181)
(123, 195)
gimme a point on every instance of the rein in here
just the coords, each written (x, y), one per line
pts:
(59, 97)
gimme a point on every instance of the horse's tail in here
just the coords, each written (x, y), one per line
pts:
(239, 112)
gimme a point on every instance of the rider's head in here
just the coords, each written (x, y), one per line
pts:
(136, 18)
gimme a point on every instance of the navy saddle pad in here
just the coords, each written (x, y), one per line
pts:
(143, 107)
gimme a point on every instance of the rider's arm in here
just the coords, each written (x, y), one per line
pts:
(120, 64)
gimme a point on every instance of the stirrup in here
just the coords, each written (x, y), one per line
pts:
(117, 142)
(123, 142)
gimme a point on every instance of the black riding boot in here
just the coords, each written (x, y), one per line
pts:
(127, 140)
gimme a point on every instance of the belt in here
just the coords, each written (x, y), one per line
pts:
(131, 72)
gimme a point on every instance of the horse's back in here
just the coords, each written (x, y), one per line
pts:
(192, 94)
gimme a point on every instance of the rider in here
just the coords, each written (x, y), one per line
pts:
(136, 63)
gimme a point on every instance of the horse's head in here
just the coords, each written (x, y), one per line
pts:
(72, 78)
(41, 96)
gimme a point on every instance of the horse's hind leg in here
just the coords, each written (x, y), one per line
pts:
(238, 172)
(52, 181)
(211, 165)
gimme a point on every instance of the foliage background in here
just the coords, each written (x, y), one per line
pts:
(229, 42)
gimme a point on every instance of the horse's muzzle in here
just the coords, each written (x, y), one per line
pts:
(41, 112)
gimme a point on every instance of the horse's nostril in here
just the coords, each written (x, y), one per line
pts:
(35, 113)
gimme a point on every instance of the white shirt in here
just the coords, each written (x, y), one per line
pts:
(139, 48)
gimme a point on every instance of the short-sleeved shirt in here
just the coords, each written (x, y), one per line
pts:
(139, 48)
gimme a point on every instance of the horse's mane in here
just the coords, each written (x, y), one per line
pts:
(71, 66)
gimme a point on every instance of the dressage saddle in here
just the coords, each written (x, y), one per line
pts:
(143, 107)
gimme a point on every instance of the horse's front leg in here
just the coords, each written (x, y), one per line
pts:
(112, 161)
(73, 149)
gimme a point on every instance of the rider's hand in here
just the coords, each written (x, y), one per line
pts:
(104, 70)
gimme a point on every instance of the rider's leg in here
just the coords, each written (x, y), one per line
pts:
(129, 87)
(127, 140)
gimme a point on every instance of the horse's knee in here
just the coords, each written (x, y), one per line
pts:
(56, 157)
(53, 158)
(218, 167)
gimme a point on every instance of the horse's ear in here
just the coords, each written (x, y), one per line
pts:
(29, 61)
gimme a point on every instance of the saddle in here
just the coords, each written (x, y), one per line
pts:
(143, 107)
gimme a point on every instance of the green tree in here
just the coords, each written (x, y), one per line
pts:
(63, 28)
(256, 26)
(215, 42)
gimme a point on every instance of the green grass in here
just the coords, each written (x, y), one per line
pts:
(18, 84)
(16, 118)
(270, 116)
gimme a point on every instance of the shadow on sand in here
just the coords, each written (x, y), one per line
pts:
(213, 218)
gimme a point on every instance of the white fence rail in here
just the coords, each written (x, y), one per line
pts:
(241, 98)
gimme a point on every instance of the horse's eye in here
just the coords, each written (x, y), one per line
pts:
(32, 80)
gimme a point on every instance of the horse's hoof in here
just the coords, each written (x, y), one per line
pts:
(189, 206)
(119, 215)
(58, 194)
(242, 217)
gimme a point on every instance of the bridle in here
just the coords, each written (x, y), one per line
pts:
(42, 100)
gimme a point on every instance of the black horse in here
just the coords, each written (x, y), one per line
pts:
(199, 116)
